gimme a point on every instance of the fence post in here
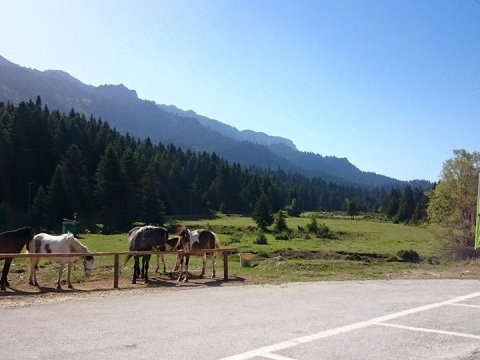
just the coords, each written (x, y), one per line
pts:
(225, 265)
(115, 271)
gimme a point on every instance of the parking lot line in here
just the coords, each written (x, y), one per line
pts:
(466, 305)
(276, 357)
(266, 351)
(434, 331)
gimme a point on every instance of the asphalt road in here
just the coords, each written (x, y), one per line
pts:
(404, 319)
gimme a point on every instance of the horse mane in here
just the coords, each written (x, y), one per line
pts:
(76, 245)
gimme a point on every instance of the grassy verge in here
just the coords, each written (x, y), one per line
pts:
(361, 249)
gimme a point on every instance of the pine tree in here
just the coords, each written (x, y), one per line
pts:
(407, 205)
(110, 191)
(262, 213)
(75, 178)
(280, 222)
(39, 213)
(58, 207)
(153, 206)
(352, 209)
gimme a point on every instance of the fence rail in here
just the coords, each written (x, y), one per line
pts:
(116, 263)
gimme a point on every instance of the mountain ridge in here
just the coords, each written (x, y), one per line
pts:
(122, 108)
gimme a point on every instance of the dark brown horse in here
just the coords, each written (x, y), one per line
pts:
(197, 240)
(145, 238)
(12, 242)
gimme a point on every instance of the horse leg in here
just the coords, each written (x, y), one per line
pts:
(187, 260)
(213, 265)
(177, 263)
(204, 263)
(143, 268)
(158, 263)
(163, 262)
(69, 271)
(32, 280)
(6, 267)
(146, 260)
(136, 269)
(180, 262)
(60, 271)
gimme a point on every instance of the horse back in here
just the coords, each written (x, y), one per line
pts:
(206, 240)
(47, 243)
(13, 241)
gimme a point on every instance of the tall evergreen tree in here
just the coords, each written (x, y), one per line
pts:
(40, 208)
(153, 206)
(110, 191)
(58, 206)
(407, 205)
(262, 214)
(75, 178)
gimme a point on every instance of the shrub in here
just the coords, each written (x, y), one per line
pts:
(280, 223)
(263, 254)
(324, 231)
(282, 236)
(312, 226)
(409, 256)
(261, 239)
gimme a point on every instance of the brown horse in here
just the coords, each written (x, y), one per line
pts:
(12, 242)
(172, 244)
(197, 240)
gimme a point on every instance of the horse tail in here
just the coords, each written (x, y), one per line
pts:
(126, 260)
(217, 244)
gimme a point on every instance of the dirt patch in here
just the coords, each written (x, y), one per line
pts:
(332, 255)
(21, 294)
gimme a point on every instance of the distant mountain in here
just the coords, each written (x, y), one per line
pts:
(230, 131)
(123, 110)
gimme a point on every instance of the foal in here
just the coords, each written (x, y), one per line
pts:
(171, 244)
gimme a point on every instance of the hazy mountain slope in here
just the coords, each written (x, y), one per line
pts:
(123, 110)
(230, 131)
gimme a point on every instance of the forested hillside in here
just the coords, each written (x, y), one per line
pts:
(66, 163)
(122, 109)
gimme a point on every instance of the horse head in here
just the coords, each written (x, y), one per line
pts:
(88, 264)
(184, 242)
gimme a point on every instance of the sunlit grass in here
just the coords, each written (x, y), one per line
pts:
(302, 257)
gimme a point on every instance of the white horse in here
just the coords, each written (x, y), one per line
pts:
(65, 243)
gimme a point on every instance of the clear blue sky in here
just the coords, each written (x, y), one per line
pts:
(392, 85)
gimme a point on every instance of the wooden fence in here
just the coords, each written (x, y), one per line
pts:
(116, 262)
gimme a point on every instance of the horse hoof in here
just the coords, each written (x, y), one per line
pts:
(134, 281)
(3, 287)
(59, 287)
(70, 286)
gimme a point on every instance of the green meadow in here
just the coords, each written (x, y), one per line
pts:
(361, 248)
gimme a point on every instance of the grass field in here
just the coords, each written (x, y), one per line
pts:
(361, 249)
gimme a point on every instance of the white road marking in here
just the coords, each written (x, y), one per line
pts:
(269, 349)
(276, 357)
(442, 332)
(467, 305)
